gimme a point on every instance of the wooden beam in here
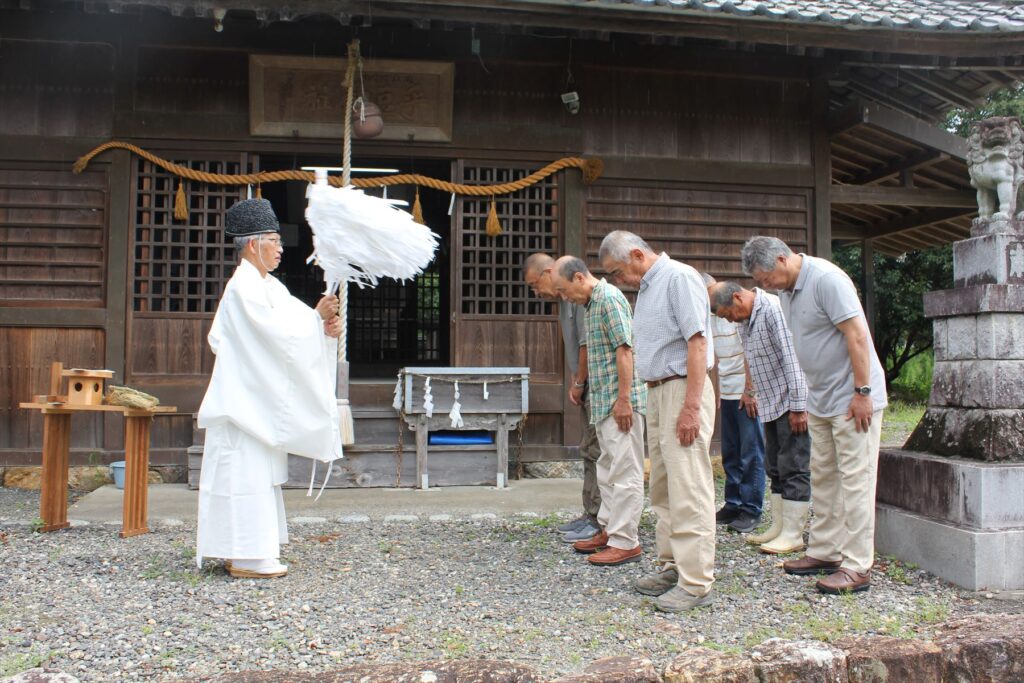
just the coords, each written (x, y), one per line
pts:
(901, 196)
(915, 220)
(912, 163)
(51, 316)
(915, 129)
(740, 173)
(821, 155)
(953, 94)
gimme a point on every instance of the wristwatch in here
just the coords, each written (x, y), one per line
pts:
(863, 391)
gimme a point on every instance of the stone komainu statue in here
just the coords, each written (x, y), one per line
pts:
(995, 159)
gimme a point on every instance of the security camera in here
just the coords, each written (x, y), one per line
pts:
(571, 100)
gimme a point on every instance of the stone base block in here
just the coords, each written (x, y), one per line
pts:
(991, 259)
(971, 300)
(954, 490)
(977, 384)
(974, 433)
(971, 558)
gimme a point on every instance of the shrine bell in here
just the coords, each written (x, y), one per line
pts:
(85, 387)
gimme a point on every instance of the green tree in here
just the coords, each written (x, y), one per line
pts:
(1003, 102)
(901, 330)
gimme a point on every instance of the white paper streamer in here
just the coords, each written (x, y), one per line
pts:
(397, 403)
(361, 238)
(485, 391)
(455, 415)
(428, 399)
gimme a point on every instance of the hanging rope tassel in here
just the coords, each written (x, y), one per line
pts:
(493, 224)
(259, 192)
(180, 203)
(417, 209)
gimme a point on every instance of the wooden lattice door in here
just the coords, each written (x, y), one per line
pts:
(177, 273)
(497, 320)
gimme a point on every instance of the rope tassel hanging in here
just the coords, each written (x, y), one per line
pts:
(493, 224)
(417, 209)
(180, 203)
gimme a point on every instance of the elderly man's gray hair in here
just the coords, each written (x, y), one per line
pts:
(243, 240)
(617, 244)
(762, 253)
(572, 265)
(722, 295)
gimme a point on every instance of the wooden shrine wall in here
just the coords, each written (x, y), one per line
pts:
(699, 154)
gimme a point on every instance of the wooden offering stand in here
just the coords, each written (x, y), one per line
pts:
(85, 394)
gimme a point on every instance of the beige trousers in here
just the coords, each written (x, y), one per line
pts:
(683, 486)
(844, 466)
(620, 477)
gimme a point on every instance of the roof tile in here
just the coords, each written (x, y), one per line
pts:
(919, 15)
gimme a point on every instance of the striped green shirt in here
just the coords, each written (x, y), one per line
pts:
(609, 326)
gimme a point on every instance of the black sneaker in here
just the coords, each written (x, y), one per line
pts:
(744, 523)
(726, 515)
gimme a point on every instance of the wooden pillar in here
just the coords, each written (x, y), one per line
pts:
(136, 474)
(821, 151)
(868, 268)
(422, 475)
(53, 500)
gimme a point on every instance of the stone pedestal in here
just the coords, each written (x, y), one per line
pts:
(953, 502)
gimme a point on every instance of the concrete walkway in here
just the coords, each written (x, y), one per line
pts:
(178, 502)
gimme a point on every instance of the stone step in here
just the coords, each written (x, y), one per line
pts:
(379, 465)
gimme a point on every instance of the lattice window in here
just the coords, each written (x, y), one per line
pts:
(492, 282)
(396, 323)
(182, 267)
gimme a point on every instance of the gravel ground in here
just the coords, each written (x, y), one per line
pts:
(103, 608)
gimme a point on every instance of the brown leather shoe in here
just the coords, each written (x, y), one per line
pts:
(598, 541)
(609, 557)
(845, 581)
(807, 565)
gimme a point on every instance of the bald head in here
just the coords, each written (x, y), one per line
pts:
(537, 275)
(537, 263)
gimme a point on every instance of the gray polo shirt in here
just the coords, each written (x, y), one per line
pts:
(574, 332)
(671, 307)
(823, 297)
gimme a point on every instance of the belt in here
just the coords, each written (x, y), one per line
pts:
(659, 382)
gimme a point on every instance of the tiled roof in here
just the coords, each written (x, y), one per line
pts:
(924, 15)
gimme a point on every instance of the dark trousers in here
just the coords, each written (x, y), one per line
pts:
(788, 459)
(742, 458)
(590, 451)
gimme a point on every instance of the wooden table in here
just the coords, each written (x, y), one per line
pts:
(53, 504)
(504, 408)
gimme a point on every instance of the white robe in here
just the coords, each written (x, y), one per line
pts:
(271, 393)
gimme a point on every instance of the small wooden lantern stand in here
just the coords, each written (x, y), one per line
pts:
(85, 394)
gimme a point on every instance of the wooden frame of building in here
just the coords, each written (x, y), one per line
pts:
(714, 124)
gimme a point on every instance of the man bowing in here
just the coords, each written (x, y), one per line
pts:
(271, 393)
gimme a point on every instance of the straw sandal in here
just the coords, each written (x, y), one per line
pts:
(249, 574)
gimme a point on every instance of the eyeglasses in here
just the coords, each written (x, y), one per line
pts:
(275, 241)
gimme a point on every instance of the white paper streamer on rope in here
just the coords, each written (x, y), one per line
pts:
(455, 414)
(361, 238)
(397, 403)
(428, 399)
(485, 391)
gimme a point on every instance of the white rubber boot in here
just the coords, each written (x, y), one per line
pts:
(775, 529)
(791, 539)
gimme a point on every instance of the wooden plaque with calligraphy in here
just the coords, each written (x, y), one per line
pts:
(305, 97)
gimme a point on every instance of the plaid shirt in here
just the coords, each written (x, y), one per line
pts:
(768, 345)
(609, 326)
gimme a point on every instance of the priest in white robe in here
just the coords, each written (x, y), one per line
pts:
(271, 393)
